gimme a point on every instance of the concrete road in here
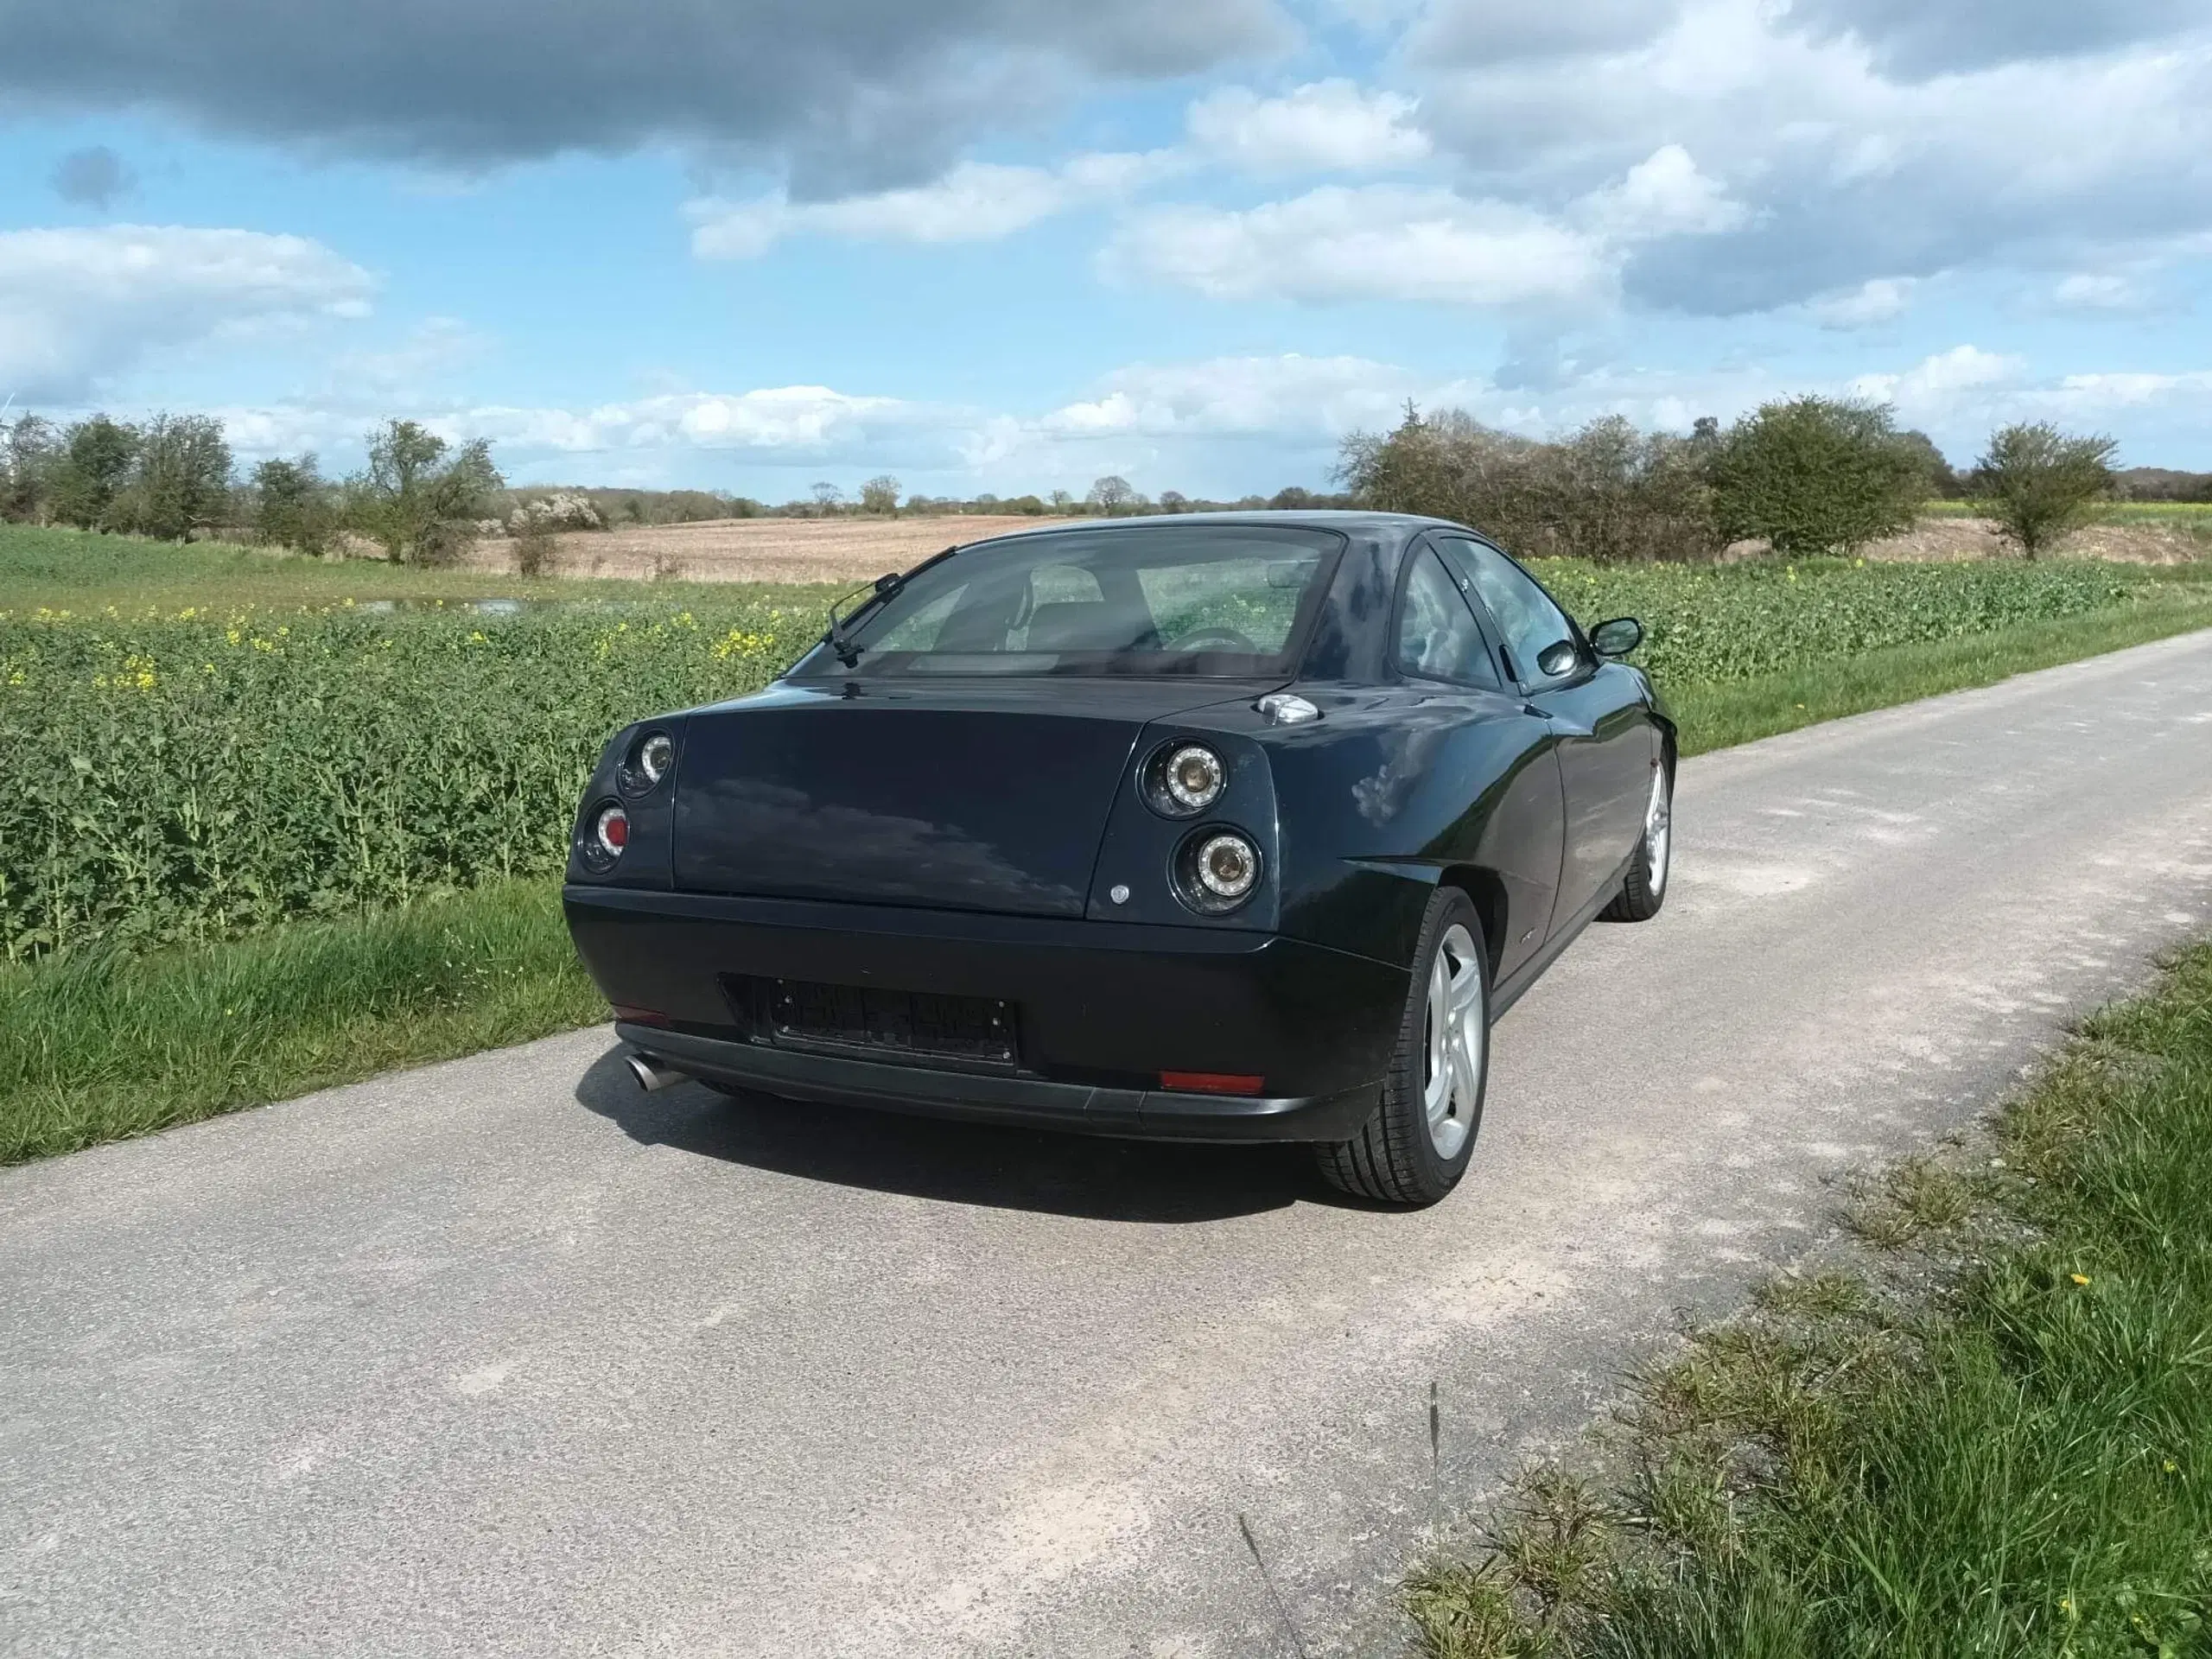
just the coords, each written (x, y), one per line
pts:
(504, 1357)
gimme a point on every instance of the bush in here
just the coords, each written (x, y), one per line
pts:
(180, 480)
(293, 506)
(30, 454)
(562, 510)
(1817, 475)
(1608, 493)
(419, 505)
(92, 470)
(2038, 483)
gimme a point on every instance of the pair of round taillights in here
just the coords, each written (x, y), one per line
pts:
(1216, 869)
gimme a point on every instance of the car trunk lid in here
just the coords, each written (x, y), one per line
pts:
(989, 798)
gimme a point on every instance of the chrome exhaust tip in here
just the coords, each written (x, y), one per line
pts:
(651, 1073)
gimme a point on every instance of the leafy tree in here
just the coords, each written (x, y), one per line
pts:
(1817, 475)
(1942, 478)
(1112, 494)
(827, 497)
(1607, 492)
(1174, 501)
(292, 505)
(416, 501)
(880, 495)
(2038, 482)
(31, 453)
(93, 467)
(1291, 499)
(1411, 469)
(182, 478)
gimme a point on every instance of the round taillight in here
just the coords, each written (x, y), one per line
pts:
(1217, 870)
(612, 829)
(1185, 779)
(649, 760)
(1228, 865)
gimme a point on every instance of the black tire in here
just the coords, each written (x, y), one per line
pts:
(1645, 888)
(1395, 1158)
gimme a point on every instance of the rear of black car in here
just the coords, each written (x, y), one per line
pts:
(1020, 877)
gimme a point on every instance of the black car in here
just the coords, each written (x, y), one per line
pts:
(1222, 826)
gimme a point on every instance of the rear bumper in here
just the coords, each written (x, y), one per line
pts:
(1101, 1009)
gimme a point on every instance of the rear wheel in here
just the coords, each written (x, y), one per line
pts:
(1415, 1147)
(1645, 889)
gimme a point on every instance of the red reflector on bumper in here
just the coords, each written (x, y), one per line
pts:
(1210, 1083)
(638, 1016)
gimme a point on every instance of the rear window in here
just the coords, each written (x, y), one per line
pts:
(1226, 600)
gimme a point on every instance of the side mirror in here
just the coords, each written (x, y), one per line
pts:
(1557, 658)
(1617, 637)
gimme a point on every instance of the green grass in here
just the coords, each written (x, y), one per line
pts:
(1720, 715)
(2017, 1462)
(98, 1046)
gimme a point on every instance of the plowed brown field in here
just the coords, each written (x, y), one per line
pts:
(760, 549)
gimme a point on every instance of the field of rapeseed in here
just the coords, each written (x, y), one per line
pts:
(192, 774)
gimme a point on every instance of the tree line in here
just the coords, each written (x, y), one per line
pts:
(420, 497)
(1805, 475)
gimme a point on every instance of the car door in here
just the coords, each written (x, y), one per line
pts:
(1608, 744)
(1495, 756)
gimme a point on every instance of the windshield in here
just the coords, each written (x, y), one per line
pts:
(1224, 600)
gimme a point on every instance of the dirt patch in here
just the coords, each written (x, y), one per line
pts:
(758, 550)
(1977, 538)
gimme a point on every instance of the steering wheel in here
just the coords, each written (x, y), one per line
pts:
(1227, 637)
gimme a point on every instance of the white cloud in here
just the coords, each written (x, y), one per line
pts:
(975, 201)
(1248, 396)
(79, 305)
(1849, 170)
(1664, 194)
(1330, 126)
(2098, 291)
(1876, 300)
(1387, 242)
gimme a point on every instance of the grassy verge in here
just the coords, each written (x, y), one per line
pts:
(1720, 715)
(1993, 1436)
(94, 1048)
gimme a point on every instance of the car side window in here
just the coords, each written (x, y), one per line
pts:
(1437, 636)
(1526, 615)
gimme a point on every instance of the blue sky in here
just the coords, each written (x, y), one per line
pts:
(1015, 245)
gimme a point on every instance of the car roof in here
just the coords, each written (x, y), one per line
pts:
(1398, 524)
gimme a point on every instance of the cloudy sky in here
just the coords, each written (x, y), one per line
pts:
(1013, 245)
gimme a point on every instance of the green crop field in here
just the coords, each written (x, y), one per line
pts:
(199, 772)
(270, 822)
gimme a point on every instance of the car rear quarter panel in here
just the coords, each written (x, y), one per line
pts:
(1392, 790)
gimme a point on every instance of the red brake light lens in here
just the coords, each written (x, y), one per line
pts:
(612, 830)
(1210, 1083)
